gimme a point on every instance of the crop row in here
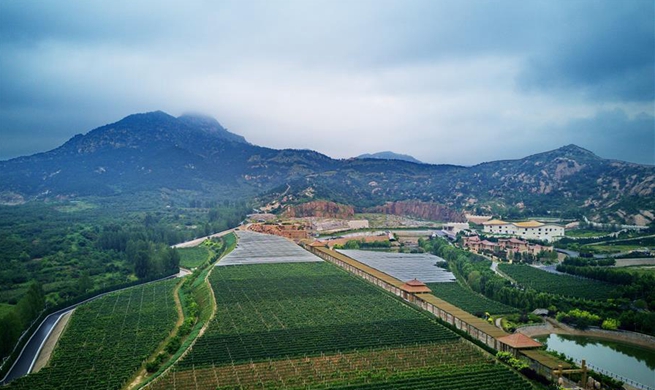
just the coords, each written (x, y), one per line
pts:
(193, 257)
(564, 285)
(107, 339)
(436, 365)
(467, 300)
(278, 310)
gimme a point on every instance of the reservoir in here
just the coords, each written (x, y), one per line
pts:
(633, 362)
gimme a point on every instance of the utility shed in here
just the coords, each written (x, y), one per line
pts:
(517, 341)
(415, 286)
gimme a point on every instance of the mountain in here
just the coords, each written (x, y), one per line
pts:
(565, 182)
(154, 151)
(210, 125)
(195, 157)
(390, 156)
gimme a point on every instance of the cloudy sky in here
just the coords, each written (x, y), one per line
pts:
(446, 81)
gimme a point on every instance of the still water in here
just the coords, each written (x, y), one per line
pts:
(630, 361)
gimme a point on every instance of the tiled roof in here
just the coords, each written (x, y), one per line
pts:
(495, 222)
(415, 282)
(528, 224)
(519, 340)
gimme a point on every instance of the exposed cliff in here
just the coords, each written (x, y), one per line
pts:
(423, 210)
(321, 209)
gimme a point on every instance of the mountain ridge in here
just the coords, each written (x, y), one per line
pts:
(156, 151)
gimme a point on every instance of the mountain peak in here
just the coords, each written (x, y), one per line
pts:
(575, 149)
(199, 118)
(210, 125)
(574, 152)
(147, 117)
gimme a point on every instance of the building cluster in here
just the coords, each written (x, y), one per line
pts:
(530, 230)
(507, 244)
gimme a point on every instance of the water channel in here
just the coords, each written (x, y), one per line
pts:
(629, 361)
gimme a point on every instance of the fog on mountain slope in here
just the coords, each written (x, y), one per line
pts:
(389, 155)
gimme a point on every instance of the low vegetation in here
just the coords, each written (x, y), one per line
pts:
(68, 251)
(564, 285)
(468, 300)
(107, 340)
(194, 256)
(312, 325)
(451, 365)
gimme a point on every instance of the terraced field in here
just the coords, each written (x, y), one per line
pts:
(107, 340)
(564, 285)
(467, 300)
(312, 325)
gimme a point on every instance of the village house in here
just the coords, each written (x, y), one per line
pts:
(530, 230)
(508, 244)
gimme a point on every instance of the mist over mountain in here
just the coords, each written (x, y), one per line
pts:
(195, 156)
(388, 155)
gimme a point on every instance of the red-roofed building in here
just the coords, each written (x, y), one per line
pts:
(415, 286)
(517, 341)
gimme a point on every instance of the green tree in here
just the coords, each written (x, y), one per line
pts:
(84, 283)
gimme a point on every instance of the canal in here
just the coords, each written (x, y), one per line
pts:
(629, 361)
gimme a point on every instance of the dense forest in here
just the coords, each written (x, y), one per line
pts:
(56, 252)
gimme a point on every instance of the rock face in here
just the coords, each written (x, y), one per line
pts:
(421, 210)
(322, 209)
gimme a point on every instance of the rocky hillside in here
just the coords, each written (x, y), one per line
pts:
(194, 157)
(323, 209)
(421, 210)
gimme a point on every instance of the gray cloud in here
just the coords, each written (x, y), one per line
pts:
(607, 52)
(613, 134)
(446, 81)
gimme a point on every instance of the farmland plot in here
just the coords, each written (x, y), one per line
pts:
(442, 365)
(312, 325)
(193, 257)
(467, 300)
(564, 285)
(107, 340)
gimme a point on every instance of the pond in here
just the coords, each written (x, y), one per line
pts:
(629, 361)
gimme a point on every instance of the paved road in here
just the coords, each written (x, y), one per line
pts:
(30, 352)
(200, 240)
(23, 365)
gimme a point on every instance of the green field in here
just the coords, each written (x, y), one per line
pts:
(193, 257)
(312, 325)
(609, 248)
(564, 285)
(5, 308)
(468, 300)
(107, 340)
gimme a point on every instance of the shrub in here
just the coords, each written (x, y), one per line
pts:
(611, 324)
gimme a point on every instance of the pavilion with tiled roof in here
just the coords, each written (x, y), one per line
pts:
(517, 341)
(415, 286)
